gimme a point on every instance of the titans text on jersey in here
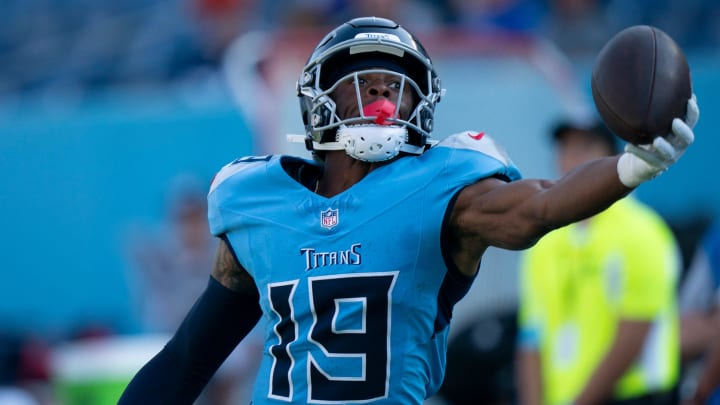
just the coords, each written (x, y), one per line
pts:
(315, 259)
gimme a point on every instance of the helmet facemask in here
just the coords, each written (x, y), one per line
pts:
(377, 132)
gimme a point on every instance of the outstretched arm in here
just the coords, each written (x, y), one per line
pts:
(222, 316)
(515, 215)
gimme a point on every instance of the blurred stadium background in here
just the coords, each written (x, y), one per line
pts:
(104, 102)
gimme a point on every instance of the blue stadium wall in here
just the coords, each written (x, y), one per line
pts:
(72, 179)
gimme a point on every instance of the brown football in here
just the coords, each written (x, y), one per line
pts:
(640, 82)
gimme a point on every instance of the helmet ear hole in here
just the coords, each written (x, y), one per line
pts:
(426, 118)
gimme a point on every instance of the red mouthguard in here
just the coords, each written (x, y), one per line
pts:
(381, 109)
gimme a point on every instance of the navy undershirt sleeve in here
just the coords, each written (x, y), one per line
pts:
(217, 322)
(455, 285)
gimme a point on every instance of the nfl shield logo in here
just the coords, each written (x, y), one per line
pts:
(329, 218)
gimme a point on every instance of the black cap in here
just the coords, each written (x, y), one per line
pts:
(597, 129)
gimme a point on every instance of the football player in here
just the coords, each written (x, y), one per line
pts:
(356, 258)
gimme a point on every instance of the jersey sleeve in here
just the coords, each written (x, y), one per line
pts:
(232, 181)
(473, 143)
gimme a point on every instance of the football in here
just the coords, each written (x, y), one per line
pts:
(640, 82)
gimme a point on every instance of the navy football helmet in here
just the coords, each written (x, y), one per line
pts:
(368, 44)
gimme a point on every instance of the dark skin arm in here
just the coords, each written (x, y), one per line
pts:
(228, 272)
(515, 215)
(529, 377)
(710, 377)
(625, 349)
(698, 330)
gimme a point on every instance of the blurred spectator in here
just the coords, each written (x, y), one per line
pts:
(94, 45)
(220, 22)
(12, 391)
(700, 315)
(171, 262)
(699, 299)
(171, 266)
(25, 370)
(691, 23)
(579, 28)
(707, 390)
(418, 15)
(34, 374)
(497, 15)
(598, 321)
(304, 14)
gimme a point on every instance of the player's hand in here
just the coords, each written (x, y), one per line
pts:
(640, 163)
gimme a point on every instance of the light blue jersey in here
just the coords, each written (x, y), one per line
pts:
(354, 288)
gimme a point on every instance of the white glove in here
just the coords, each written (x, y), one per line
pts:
(640, 163)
